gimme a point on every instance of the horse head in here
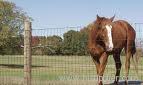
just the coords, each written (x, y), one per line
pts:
(104, 31)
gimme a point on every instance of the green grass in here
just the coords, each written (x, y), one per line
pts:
(57, 68)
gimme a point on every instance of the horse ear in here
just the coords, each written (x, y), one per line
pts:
(97, 17)
(112, 18)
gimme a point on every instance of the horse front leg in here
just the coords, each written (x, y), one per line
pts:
(103, 62)
(98, 58)
(97, 63)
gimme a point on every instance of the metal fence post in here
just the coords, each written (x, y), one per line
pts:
(27, 53)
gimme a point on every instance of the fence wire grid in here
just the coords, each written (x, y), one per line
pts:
(59, 57)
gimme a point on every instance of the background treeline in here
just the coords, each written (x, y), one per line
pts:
(72, 43)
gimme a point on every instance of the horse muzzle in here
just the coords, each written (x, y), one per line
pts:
(109, 47)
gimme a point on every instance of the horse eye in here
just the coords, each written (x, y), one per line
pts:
(103, 29)
(103, 35)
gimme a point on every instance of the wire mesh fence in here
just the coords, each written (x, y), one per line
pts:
(60, 57)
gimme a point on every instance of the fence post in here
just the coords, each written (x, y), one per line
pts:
(27, 53)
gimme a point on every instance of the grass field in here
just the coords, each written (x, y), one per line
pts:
(60, 70)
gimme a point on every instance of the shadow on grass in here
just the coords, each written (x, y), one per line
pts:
(19, 66)
(129, 83)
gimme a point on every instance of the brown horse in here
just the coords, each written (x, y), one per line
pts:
(107, 37)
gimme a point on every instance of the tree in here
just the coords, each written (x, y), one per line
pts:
(75, 42)
(54, 43)
(50, 45)
(83, 41)
(11, 26)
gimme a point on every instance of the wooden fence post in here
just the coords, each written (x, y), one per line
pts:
(27, 53)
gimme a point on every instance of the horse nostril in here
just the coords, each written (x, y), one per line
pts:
(107, 47)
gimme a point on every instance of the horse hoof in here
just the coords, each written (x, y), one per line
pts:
(126, 82)
(115, 83)
(100, 83)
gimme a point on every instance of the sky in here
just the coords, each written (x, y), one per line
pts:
(72, 13)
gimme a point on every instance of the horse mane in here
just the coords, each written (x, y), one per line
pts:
(92, 34)
(93, 41)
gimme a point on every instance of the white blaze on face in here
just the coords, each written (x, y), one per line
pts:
(109, 29)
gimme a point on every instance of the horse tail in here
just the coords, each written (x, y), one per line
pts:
(133, 49)
(133, 52)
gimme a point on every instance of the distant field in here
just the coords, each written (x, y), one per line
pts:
(59, 70)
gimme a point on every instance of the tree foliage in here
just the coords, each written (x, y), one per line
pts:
(72, 43)
(50, 45)
(11, 26)
(75, 42)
